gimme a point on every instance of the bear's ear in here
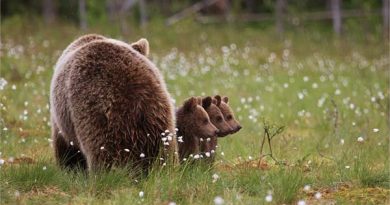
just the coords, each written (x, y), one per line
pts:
(218, 99)
(225, 99)
(142, 46)
(199, 100)
(206, 102)
(190, 104)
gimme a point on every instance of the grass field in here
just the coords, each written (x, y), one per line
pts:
(332, 96)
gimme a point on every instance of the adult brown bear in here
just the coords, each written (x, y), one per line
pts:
(109, 105)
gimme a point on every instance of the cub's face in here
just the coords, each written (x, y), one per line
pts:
(228, 114)
(199, 119)
(216, 116)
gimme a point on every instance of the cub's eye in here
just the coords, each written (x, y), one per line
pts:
(229, 117)
(205, 121)
(219, 119)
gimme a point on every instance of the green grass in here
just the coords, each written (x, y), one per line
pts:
(323, 89)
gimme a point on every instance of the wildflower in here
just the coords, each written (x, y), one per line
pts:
(250, 157)
(375, 130)
(218, 200)
(164, 139)
(347, 167)
(215, 177)
(222, 153)
(141, 194)
(44, 168)
(142, 155)
(196, 156)
(207, 154)
(360, 139)
(127, 150)
(318, 195)
(172, 203)
(102, 148)
(2, 161)
(180, 139)
(268, 198)
(301, 202)
(306, 188)
(71, 143)
(342, 141)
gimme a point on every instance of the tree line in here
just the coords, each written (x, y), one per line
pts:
(84, 12)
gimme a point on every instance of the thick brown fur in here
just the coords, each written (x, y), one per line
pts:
(208, 146)
(193, 124)
(111, 103)
(227, 114)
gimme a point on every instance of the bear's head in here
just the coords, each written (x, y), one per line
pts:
(197, 120)
(142, 46)
(228, 113)
(215, 115)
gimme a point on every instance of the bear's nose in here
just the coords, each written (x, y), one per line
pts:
(238, 128)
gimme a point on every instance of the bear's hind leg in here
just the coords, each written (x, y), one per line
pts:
(67, 155)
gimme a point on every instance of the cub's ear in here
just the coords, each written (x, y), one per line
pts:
(218, 99)
(206, 102)
(199, 100)
(225, 99)
(142, 46)
(190, 104)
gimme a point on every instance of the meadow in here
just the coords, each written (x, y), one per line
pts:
(330, 95)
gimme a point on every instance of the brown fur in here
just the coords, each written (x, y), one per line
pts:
(208, 146)
(111, 102)
(228, 114)
(193, 124)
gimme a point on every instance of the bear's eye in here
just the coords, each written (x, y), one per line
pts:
(229, 117)
(205, 121)
(219, 119)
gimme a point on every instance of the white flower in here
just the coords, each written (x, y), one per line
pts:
(201, 139)
(207, 154)
(218, 200)
(375, 130)
(306, 188)
(127, 150)
(360, 139)
(342, 141)
(2, 161)
(172, 203)
(71, 143)
(222, 153)
(196, 156)
(250, 158)
(142, 155)
(180, 139)
(44, 168)
(215, 177)
(169, 138)
(102, 148)
(347, 167)
(208, 139)
(318, 195)
(164, 139)
(301, 202)
(268, 198)
(141, 194)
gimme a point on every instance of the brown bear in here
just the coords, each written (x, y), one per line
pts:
(193, 124)
(109, 105)
(227, 114)
(208, 146)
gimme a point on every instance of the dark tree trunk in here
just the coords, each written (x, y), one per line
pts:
(386, 19)
(83, 14)
(279, 15)
(336, 16)
(49, 11)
